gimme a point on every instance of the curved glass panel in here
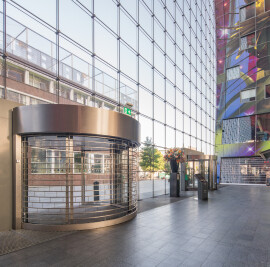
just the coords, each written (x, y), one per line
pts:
(78, 179)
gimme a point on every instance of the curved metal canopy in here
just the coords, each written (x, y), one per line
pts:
(74, 119)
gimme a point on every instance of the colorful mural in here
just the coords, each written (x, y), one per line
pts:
(243, 71)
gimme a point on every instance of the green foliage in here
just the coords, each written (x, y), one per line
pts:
(151, 158)
(167, 167)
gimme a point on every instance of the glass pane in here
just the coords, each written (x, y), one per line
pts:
(233, 73)
(247, 12)
(145, 19)
(45, 10)
(146, 129)
(128, 93)
(146, 47)
(159, 85)
(263, 127)
(159, 109)
(170, 115)
(170, 137)
(186, 124)
(107, 15)
(102, 49)
(238, 130)
(80, 20)
(170, 93)
(128, 61)
(248, 95)
(159, 183)
(267, 91)
(146, 75)
(145, 103)
(179, 120)
(159, 138)
(247, 41)
(128, 30)
(186, 141)
(267, 5)
(179, 139)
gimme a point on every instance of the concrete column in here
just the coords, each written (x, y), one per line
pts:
(27, 100)
(51, 87)
(89, 102)
(71, 95)
(17, 182)
(26, 77)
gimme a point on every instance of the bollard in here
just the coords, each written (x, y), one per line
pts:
(96, 191)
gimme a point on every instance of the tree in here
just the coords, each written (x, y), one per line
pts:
(167, 168)
(151, 158)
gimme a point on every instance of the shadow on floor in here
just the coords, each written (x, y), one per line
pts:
(15, 240)
(155, 202)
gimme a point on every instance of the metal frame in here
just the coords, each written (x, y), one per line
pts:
(212, 168)
(77, 227)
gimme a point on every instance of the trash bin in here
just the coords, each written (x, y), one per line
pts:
(202, 187)
(96, 191)
(174, 185)
(268, 181)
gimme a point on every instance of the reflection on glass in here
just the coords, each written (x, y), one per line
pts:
(248, 95)
(247, 12)
(267, 91)
(238, 130)
(247, 41)
(233, 73)
(157, 56)
(267, 5)
(263, 127)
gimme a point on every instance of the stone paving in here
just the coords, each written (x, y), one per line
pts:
(232, 228)
(14, 240)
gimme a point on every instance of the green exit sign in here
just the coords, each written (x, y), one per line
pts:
(127, 111)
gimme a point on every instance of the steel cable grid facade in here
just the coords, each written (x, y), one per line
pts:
(159, 56)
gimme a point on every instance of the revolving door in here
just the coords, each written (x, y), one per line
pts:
(77, 179)
(200, 164)
(75, 167)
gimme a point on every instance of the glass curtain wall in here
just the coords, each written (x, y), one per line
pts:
(158, 58)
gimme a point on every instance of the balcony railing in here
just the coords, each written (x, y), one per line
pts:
(26, 46)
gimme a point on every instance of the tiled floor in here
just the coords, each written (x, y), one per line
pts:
(232, 228)
(158, 201)
(14, 240)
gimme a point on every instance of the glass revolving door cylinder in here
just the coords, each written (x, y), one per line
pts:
(78, 179)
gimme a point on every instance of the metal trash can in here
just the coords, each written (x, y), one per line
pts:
(268, 181)
(202, 187)
(96, 191)
(174, 185)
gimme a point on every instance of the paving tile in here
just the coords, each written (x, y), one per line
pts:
(180, 255)
(201, 235)
(189, 262)
(200, 255)
(234, 263)
(159, 257)
(231, 229)
(212, 263)
(172, 262)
